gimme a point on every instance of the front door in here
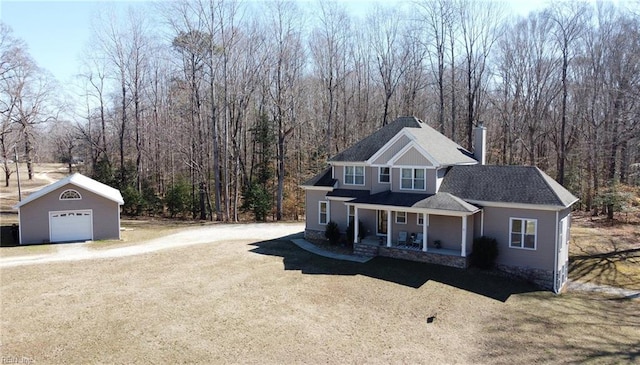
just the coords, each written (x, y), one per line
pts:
(382, 222)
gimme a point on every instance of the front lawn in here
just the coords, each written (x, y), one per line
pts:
(271, 302)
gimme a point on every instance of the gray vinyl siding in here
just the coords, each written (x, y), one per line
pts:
(312, 209)
(392, 151)
(496, 225)
(34, 216)
(413, 157)
(446, 229)
(377, 187)
(339, 214)
(411, 226)
(368, 219)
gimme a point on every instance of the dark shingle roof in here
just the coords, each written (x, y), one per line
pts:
(439, 201)
(348, 193)
(323, 179)
(505, 184)
(367, 147)
(445, 151)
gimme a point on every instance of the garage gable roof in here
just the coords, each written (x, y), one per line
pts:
(80, 181)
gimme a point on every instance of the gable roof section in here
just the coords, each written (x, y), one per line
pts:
(323, 179)
(434, 146)
(505, 184)
(439, 201)
(367, 147)
(445, 151)
(80, 181)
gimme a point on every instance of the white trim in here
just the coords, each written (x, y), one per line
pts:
(555, 259)
(340, 198)
(119, 223)
(413, 144)
(481, 222)
(19, 229)
(463, 243)
(425, 232)
(524, 227)
(389, 228)
(405, 217)
(356, 226)
(364, 175)
(349, 216)
(71, 191)
(452, 213)
(413, 170)
(79, 181)
(388, 145)
(515, 205)
(384, 167)
(318, 188)
(326, 202)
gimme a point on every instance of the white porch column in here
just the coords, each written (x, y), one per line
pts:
(356, 226)
(425, 238)
(389, 233)
(463, 252)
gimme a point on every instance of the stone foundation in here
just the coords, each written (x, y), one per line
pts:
(314, 235)
(372, 250)
(539, 277)
(420, 256)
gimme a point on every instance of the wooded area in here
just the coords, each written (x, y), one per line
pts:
(211, 108)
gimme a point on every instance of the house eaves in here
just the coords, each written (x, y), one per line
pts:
(80, 181)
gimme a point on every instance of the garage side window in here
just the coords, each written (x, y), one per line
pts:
(70, 195)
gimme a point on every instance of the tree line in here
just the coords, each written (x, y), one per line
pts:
(213, 108)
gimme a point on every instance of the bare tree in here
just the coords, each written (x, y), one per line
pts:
(569, 20)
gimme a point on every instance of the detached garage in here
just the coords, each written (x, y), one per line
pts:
(75, 208)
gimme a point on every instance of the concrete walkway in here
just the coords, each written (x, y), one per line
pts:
(308, 246)
(604, 289)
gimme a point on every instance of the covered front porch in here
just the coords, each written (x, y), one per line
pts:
(435, 228)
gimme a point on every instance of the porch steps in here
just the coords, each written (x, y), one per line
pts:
(365, 250)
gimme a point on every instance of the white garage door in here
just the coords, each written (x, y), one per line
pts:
(72, 225)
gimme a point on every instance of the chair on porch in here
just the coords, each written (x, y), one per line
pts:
(402, 238)
(418, 240)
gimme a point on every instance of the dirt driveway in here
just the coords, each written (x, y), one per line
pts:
(193, 236)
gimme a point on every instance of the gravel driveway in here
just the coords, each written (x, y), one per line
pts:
(188, 237)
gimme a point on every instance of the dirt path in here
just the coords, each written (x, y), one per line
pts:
(195, 236)
(573, 285)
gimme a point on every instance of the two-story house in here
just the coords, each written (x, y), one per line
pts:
(420, 196)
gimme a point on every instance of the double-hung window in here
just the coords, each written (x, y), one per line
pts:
(412, 179)
(354, 175)
(401, 217)
(384, 175)
(323, 212)
(523, 233)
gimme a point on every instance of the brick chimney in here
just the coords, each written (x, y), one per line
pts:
(480, 143)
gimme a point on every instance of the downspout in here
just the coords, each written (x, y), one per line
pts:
(555, 260)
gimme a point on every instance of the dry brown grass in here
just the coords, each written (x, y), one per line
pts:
(9, 195)
(270, 302)
(605, 252)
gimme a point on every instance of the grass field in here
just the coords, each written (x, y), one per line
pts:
(271, 302)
